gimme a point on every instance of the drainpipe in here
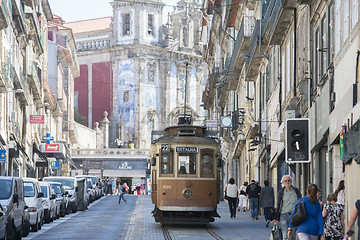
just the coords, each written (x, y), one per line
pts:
(295, 65)
(260, 37)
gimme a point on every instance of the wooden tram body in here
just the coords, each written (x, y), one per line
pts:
(185, 176)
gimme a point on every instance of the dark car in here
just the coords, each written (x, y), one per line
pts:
(70, 185)
(13, 204)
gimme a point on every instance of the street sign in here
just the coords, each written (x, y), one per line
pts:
(2, 155)
(52, 147)
(36, 119)
(54, 164)
(211, 123)
(48, 138)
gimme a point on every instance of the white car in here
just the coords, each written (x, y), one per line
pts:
(49, 202)
(33, 199)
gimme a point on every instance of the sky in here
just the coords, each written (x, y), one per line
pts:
(75, 10)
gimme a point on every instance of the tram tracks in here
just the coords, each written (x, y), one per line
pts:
(173, 233)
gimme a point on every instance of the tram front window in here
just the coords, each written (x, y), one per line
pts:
(167, 163)
(187, 163)
(207, 163)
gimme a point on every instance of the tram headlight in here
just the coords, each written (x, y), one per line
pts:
(187, 193)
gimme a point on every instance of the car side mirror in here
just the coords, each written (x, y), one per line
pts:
(26, 207)
(76, 189)
(16, 198)
(53, 196)
(1, 214)
(153, 161)
(40, 194)
(66, 193)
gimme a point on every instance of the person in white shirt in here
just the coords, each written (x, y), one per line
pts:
(231, 191)
(340, 193)
(243, 197)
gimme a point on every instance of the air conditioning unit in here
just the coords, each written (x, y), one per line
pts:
(13, 116)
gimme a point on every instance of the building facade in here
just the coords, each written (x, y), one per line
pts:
(275, 60)
(154, 69)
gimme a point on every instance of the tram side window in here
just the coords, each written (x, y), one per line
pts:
(167, 163)
(187, 163)
(207, 162)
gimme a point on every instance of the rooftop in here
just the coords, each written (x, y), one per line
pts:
(90, 25)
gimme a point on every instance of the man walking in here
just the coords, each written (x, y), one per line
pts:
(253, 191)
(287, 198)
(267, 200)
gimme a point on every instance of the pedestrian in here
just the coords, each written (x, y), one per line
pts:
(320, 199)
(138, 189)
(312, 227)
(110, 185)
(117, 184)
(340, 193)
(253, 192)
(142, 188)
(355, 214)
(122, 191)
(333, 214)
(267, 200)
(286, 200)
(242, 197)
(231, 190)
(118, 142)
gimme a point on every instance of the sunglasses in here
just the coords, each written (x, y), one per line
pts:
(287, 181)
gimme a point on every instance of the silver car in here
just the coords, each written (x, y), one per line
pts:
(49, 202)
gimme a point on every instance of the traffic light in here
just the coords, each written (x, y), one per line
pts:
(297, 140)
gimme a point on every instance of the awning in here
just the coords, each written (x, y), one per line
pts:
(42, 161)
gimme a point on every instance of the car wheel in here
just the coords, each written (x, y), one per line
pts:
(19, 233)
(35, 227)
(26, 228)
(40, 223)
(10, 231)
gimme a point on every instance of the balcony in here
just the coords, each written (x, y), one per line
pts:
(241, 46)
(4, 15)
(34, 82)
(4, 77)
(18, 16)
(252, 64)
(277, 18)
(22, 93)
(34, 29)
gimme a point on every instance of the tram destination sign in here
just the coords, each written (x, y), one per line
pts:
(186, 149)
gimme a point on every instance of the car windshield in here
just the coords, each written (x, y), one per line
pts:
(93, 179)
(68, 183)
(5, 188)
(29, 189)
(56, 188)
(44, 191)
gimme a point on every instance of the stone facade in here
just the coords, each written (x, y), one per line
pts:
(151, 63)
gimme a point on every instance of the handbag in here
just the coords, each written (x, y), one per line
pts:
(276, 233)
(226, 197)
(300, 214)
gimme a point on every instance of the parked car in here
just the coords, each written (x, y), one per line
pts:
(61, 196)
(26, 223)
(70, 185)
(48, 202)
(2, 223)
(33, 199)
(13, 204)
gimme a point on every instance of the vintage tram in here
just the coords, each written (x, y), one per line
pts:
(185, 175)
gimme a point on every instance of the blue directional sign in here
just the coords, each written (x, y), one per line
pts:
(2, 155)
(48, 138)
(54, 164)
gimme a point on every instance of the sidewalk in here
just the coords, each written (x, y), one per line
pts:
(142, 225)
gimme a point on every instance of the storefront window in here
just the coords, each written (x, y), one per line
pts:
(167, 162)
(187, 163)
(207, 162)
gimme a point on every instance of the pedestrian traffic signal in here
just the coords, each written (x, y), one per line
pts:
(297, 140)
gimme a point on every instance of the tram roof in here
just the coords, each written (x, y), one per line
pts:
(186, 140)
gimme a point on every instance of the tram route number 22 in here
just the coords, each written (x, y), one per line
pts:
(165, 148)
(166, 186)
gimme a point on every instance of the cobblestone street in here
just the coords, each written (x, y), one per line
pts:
(143, 226)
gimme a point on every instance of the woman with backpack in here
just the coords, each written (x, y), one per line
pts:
(312, 227)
